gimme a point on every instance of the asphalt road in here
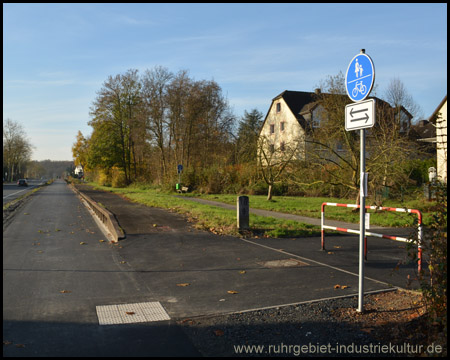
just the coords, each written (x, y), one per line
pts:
(11, 191)
(52, 284)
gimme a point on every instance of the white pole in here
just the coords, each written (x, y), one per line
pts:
(362, 227)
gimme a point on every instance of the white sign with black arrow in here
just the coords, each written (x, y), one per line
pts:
(360, 115)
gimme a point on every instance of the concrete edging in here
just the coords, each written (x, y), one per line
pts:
(105, 216)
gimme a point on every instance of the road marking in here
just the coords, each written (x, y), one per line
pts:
(314, 261)
(4, 197)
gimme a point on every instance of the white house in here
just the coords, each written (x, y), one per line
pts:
(287, 119)
(439, 118)
(294, 114)
(79, 170)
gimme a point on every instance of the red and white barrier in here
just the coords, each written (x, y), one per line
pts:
(396, 238)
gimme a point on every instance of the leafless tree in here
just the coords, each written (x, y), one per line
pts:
(272, 161)
(17, 149)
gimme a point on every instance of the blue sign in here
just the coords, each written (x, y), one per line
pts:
(180, 168)
(360, 77)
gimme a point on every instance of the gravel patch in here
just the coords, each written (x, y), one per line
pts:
(313, 330)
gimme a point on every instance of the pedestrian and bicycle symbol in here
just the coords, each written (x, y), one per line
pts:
(360, 77)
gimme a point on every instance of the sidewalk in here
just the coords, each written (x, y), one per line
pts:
(303, 219)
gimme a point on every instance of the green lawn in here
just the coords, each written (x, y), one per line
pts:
(311, 207)
(223, 221)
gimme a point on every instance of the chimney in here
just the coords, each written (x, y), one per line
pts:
(317, 91)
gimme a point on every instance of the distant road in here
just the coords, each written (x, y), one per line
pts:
(11, 191)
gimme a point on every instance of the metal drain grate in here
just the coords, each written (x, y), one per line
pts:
(131, 313)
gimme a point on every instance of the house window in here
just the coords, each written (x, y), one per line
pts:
(315, 121)
(282, 146)
(282, 126)
(339, 146)
(271, 148)
(272, 129)
(278, 107)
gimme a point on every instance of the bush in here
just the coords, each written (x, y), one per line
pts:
(433, 279)
(417, 169)
(118, 179)
(103, 177)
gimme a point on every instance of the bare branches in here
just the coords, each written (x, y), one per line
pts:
(16, 149)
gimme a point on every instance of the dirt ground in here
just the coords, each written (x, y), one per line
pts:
(405, 309)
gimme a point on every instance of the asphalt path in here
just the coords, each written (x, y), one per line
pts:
(52, 284)
(165, 250)
(11, 191)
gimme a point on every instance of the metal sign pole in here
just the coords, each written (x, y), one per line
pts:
(362, 224)
(359, 80)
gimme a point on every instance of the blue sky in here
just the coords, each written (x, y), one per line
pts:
(57, 56)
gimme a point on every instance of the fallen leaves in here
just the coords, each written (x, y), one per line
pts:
(337, 286)
(83, 243)
(7, 342)
(232, 292)
(65, 291)
(183, 284)
(368, 329)
(129, 312)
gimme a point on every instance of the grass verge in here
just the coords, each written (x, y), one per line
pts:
(223, 221)
(311, 207)
(212, 218)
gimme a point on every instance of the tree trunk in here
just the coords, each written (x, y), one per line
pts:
(270, 192)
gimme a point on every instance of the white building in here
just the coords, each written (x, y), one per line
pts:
(79, 171)
(439, 118)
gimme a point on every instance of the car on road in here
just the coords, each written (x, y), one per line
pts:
(22, 182)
